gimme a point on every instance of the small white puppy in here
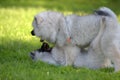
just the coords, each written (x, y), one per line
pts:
(80, 31)
(93, 58)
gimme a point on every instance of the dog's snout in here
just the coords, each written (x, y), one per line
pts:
(32, 32)
(32, 55)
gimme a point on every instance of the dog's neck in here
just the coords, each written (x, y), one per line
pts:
(67, 31)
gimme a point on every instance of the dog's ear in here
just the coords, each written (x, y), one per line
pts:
(61, 37)
(38, 19)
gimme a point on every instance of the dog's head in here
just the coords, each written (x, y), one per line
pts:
(46, 25)
(45, 48)
(39, 53)
(43, 54)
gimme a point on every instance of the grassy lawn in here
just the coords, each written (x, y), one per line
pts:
(16, 41)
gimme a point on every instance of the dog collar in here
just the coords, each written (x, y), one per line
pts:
(69, 40)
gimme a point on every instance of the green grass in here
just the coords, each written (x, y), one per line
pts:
(16, 41)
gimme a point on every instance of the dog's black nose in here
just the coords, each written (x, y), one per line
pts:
(32, 32)
(32, 55)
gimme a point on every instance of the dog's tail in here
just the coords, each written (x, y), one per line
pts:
(104, 11)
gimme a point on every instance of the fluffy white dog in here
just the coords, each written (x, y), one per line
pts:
(72, 31)
(93, 58)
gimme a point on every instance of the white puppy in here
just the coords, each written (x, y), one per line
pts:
(80, 31)
(93, 58)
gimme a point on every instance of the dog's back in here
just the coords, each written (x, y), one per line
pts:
(82, 29)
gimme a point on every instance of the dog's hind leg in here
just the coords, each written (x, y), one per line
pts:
(110, 43)
(115, 57)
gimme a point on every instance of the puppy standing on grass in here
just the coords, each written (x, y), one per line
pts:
(81, 30)
(56, 28)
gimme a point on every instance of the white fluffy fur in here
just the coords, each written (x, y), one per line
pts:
(44, 56)
(82, 30)
(93, 58)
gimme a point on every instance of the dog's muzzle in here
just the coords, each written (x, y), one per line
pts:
(32, 32)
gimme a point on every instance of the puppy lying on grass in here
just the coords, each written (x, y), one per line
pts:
(43, 54)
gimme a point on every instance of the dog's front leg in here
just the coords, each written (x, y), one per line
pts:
(71, 53)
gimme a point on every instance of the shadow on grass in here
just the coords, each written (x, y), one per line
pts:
(11, 50)
(63, 5)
